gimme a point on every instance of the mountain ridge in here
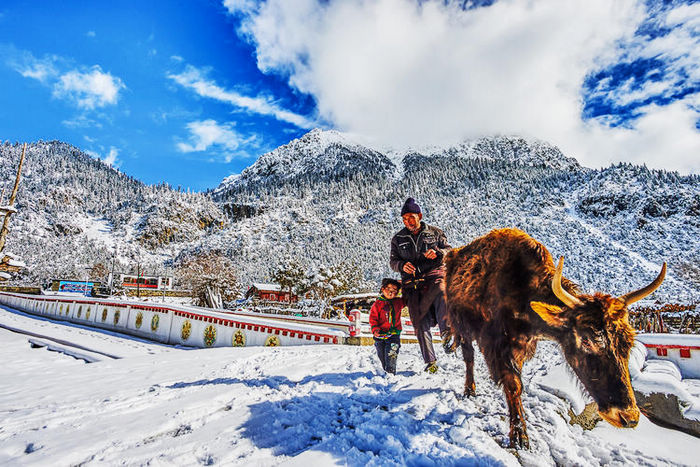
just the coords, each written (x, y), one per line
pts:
(326, 200)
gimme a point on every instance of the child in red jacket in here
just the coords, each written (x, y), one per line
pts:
(385, 322)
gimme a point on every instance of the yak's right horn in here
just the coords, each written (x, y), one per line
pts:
(643, 292)
(568, 299)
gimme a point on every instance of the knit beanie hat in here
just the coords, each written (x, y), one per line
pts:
(410, 206)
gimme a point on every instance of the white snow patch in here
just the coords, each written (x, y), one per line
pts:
(301, 405)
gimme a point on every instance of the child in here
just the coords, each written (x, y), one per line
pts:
(385, 321)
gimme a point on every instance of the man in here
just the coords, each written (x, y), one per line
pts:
(416, 252)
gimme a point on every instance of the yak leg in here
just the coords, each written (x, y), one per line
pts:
(513, 388)
(468, 355)
(505, 368)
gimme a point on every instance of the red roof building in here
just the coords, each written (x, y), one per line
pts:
(271, 293)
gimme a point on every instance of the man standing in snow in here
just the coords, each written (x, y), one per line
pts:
(416, 252)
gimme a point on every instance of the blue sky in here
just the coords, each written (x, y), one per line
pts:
(150, 124)
(191, 92)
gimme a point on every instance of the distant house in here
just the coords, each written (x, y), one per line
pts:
(270, 292)
(147, 282)
(360, 301)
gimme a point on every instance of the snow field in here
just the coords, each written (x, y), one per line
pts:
(312, 405)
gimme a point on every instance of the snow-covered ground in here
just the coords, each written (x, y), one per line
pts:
(315, 405)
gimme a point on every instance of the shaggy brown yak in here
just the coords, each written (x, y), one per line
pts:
(504, 291)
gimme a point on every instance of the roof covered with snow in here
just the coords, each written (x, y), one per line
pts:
(267, 287)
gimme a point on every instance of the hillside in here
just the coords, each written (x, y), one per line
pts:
(615, 226)
(73, 210)
(325, 200)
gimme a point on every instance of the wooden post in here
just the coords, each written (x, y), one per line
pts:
(13, 196)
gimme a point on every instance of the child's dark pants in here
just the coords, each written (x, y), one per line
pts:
(388, 352)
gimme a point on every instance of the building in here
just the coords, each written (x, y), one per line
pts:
(271, 293)
(146, 282)
(360, 301)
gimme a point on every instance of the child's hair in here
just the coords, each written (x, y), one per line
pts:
(389, 281)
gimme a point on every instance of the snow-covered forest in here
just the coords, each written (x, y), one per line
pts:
(324, 200)
(75, 212)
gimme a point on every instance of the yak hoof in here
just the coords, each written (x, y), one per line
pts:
(518, 438)
(470, 391)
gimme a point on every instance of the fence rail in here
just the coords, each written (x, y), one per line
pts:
(177, 324)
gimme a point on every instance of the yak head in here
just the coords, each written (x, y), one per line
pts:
(596, 338)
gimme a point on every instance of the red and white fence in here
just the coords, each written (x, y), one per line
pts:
(177, 324)
(681, 349)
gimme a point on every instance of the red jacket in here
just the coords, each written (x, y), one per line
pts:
(385, 316)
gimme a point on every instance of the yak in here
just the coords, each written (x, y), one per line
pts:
(503, 291)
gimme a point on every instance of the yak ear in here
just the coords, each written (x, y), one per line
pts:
(551, 314)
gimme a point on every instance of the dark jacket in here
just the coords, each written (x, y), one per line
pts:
(385, 316)
(406, 247)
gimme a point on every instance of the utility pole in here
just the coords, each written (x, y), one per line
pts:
(111, 277)
(13, 196)
(162, 280)
(87, 277)
(138, 280)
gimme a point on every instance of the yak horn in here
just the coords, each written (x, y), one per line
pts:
(643, 292)
(568, 299)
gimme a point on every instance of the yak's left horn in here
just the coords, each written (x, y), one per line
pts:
(643, 292)
(566, 298)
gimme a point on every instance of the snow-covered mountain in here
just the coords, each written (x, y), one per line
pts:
(615, 226)
(326, 199)
(73, 210)
(331, 155)
(318, 155)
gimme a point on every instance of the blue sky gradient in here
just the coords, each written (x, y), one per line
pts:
(190, 92)
(140, 45)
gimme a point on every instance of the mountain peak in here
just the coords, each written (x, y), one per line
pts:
(319, 154)
(331, 154)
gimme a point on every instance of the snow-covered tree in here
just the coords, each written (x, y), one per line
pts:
(211, 277)
(290, 277)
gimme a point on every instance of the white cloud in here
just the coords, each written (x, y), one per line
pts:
(678, 49)
(209, 135)
(685, 16)
(41, 69)
(411, 73)
(81, 121)
(90, 89)
(245, 6)
(90, 34)
(86, 88)
(196, 80)
(111, 158)
(664, 137)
